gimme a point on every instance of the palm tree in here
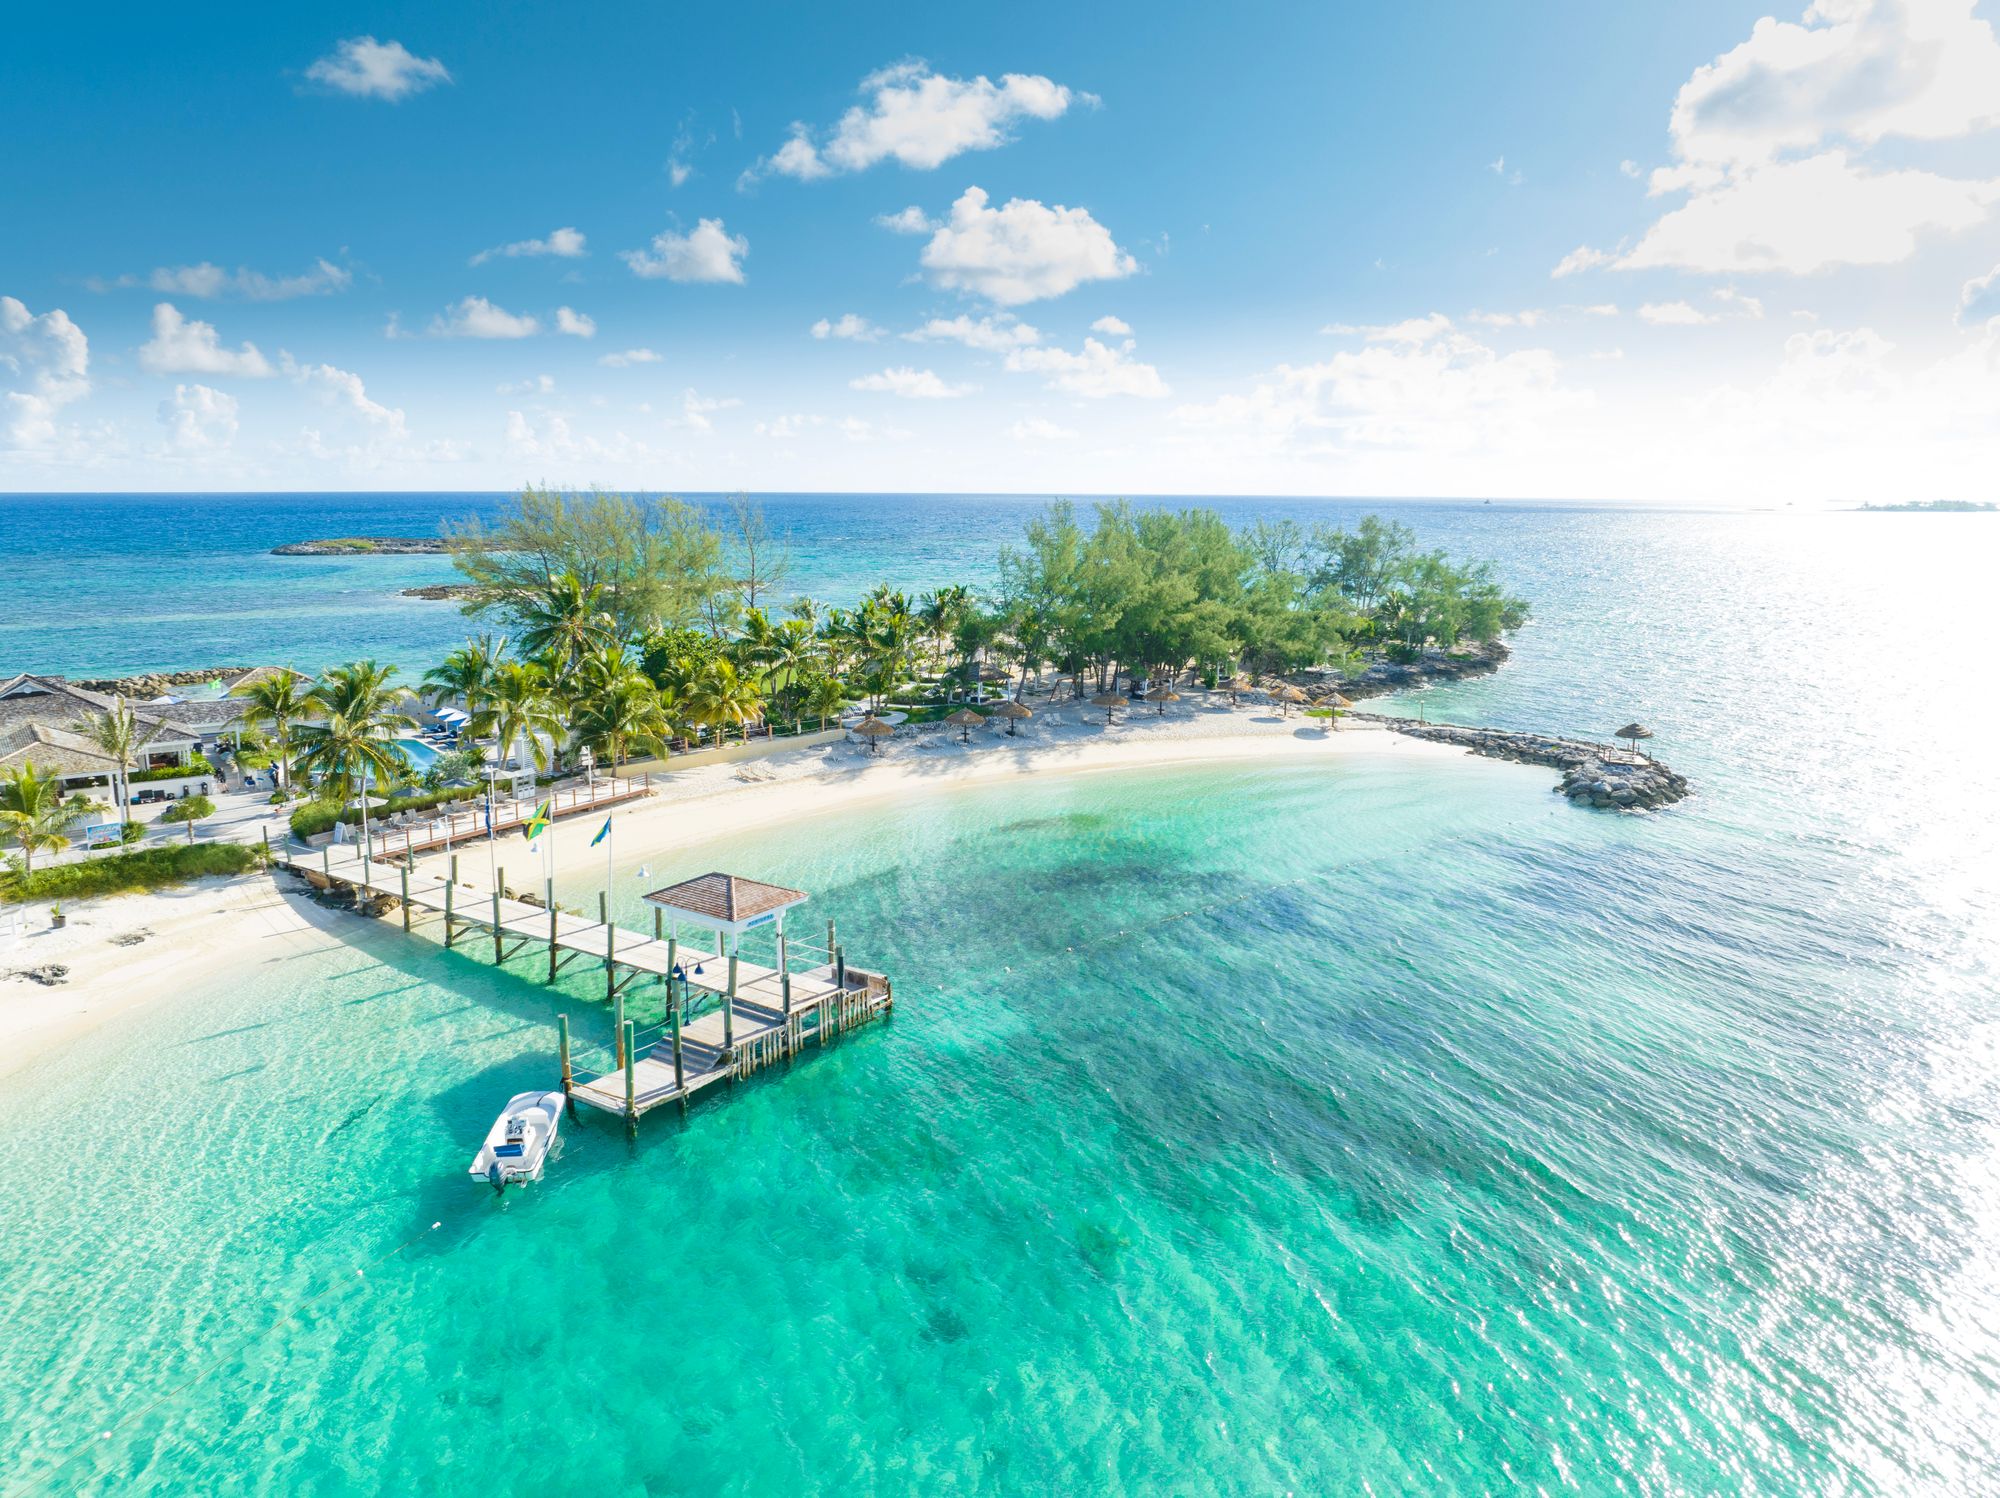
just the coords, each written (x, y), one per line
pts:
(826, 697)
(808, 611)
(519, 706)
(565, 620)
(354, 741)
(943, 612)
(465, 674)
(621, 712)
(116, 731)
(281, 700)
(721, 696)
(33, 812)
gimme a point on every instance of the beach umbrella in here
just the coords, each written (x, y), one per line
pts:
(1013, 712)
(1635, 732)
(874, 730)
(965, 720)
(1163, 698)
(1238, 685)
(1287, 695)
(1110, 702)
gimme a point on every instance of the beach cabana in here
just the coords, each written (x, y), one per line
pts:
(965, 720)
(1285, 696)
(874, 730)
(1633, 732)
(1014, 713)
(1110, 702)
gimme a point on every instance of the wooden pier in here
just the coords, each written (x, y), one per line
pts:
(718, 1015)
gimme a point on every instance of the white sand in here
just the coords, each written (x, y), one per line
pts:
(199, 935)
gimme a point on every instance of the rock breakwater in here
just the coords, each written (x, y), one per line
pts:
(1592, 775)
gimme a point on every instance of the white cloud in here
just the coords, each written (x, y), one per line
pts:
(199, 419)
(854, 429)
(1764, 140)
(369, 69)
(1674, 314)
(542, 384)
(1098, 370)
(1499, 169)
(475, 317)
(1039, 429)
(182, 345)
(1444, 392)
(678, 172)
(1527, 317)
(1630, 168)
(911, 220)
(1583, 257)
(849, 325)
(46, 360)
(1409, 330)
(1750, 306)
(207, 281)
(564, 244)
(574, 323)
(785, 428)
(1861, 70)
(911, 384)
(696, 408)
(1022, 252)
(920, 119)
(1112, 327)
(1804, 216)
(629, 357)
(710, 253)
(993, 335)
(343, 388)
(1978, 301)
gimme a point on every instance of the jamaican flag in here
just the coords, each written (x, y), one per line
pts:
(538, 822)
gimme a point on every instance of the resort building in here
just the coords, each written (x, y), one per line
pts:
(39, 725)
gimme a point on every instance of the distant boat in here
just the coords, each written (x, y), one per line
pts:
(520, 1140)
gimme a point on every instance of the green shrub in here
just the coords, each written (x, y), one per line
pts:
(195, 766)
(189, 809)
(124, 873)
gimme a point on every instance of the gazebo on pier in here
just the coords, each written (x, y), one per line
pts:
(729, 905)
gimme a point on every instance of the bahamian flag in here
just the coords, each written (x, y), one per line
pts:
(602, 833)
(538, 823)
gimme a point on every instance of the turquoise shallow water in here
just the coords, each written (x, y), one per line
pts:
(1383, 1127)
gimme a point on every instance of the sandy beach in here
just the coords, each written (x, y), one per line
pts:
(197, 936)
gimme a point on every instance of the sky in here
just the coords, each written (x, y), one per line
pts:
(1686, 252)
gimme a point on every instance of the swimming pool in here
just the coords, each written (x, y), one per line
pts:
(419, 753)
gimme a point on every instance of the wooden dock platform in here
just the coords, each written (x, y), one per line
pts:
(721, 1017)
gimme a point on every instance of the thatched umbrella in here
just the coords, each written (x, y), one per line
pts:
(1110, 702)
(1013, 712)
(1634, 732)
(1285, 696)
(965, 720)
(1163, 698)
(874, 730)
(1333, 702)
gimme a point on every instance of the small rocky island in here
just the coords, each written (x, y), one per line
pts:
(442, 590)
(364, 546)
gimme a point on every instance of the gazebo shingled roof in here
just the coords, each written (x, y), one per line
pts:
(729, 898)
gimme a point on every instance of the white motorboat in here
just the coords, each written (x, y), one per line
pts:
(520, 1140)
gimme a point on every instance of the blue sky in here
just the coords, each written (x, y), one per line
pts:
(1647, 252)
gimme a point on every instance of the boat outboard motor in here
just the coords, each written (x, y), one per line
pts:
(497, 1174)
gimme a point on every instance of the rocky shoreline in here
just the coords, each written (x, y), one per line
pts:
(442, 590)
(156, 683)
(1592, 775)
(1380, 677)
(366, 546)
